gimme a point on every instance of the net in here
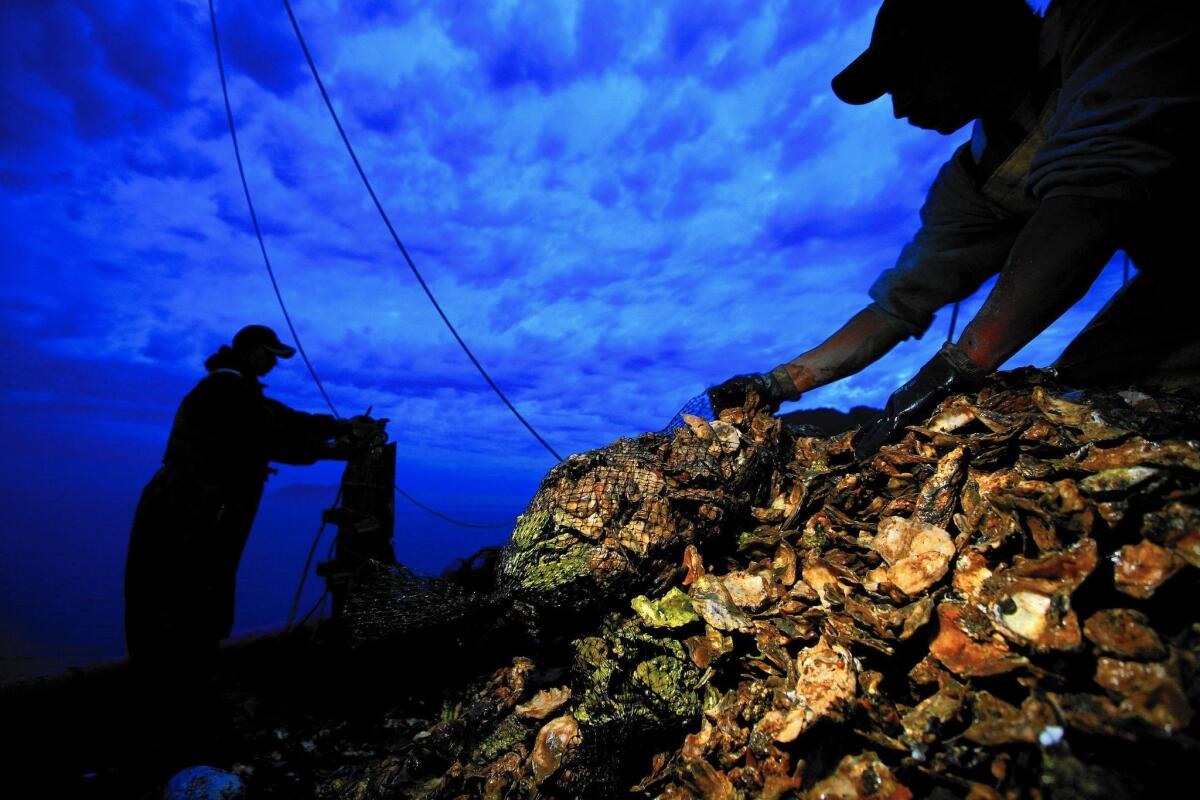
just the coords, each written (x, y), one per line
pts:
(699, 406)
(388, 600)
(614, 522)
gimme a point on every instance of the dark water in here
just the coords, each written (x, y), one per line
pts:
(62, 562)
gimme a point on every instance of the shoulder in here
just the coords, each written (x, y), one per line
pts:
(1128, 114)
(1107, 39)
(227, 385)
(226, 378)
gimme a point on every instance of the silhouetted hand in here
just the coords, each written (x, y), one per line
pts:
(364, 427)
(358, 433)
(947, 372)
(772, 387)
(343, 449)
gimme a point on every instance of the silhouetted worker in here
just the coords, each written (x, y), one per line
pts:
(1084, 142)
(195, 515)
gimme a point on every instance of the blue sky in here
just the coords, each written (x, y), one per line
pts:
(617, 204)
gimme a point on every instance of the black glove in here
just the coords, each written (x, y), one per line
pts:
(773, 387)
(360, 431)
(947, 372)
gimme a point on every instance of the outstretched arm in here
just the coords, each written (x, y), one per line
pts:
(960, 244)
(860, 342)
(1058, 255)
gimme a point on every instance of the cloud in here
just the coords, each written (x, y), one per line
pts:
(615, 203)
(257, 39)
(140, 45)
(92, 69)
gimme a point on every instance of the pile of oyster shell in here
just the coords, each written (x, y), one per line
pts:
(1002, 604)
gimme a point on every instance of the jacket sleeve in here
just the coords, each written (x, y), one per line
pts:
(963, 240)
(296, 437)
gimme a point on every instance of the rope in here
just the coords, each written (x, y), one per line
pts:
(452, 520)
(237, 152)
(318, 606)
(283, 307)
(308, 563)
(396, 238)
(953, 323)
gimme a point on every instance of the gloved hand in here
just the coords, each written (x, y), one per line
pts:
(947, 372)
(361, 431)
(773, 387)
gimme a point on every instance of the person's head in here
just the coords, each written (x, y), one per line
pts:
(259, 348)
(945, 62)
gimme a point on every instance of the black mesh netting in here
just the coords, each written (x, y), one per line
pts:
(699, 406)
(610, 757)
(388, 600)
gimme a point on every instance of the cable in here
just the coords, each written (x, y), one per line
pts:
(308, 563)
(396, 238)
(953, 323)
(283, 307)
(319, 606)
(452, 520)
(237, 152)
(320, 602)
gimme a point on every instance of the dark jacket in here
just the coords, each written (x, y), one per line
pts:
(195, 515)
(1115, 114)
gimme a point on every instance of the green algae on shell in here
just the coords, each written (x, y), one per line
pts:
(625, 673)
(511, 731)
(672, 610)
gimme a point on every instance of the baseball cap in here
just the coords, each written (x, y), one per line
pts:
(253, 336)
(903, 27)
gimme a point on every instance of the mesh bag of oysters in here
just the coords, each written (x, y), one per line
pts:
(602, 524)
(1001, 604)
(611, 522)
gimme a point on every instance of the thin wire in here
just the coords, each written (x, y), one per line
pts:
(237, 152)
(319, 606)
(396, 238)
(308, 563)
(320, 602)
(953, 323)
(440, 515)
(283, 306)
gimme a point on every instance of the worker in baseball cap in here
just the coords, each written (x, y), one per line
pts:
(195, 514)
(1083, 142)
